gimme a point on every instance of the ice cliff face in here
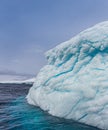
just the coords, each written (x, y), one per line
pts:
(74, 83)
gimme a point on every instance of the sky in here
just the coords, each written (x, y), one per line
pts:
(28, 28)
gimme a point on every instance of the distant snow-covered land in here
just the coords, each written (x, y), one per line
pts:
(16, 79)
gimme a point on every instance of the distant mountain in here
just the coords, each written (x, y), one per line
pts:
(10, 72)
(13, 77)
(13, 81)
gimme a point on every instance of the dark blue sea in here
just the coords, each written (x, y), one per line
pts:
(17, 114)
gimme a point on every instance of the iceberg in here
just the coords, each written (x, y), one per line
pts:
(74, 83)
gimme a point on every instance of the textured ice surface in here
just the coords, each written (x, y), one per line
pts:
(74, 83)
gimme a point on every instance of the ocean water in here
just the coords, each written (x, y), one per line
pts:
(17, 114)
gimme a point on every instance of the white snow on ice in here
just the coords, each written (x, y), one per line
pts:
(74, 83)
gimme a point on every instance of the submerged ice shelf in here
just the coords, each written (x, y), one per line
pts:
(74, 83)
